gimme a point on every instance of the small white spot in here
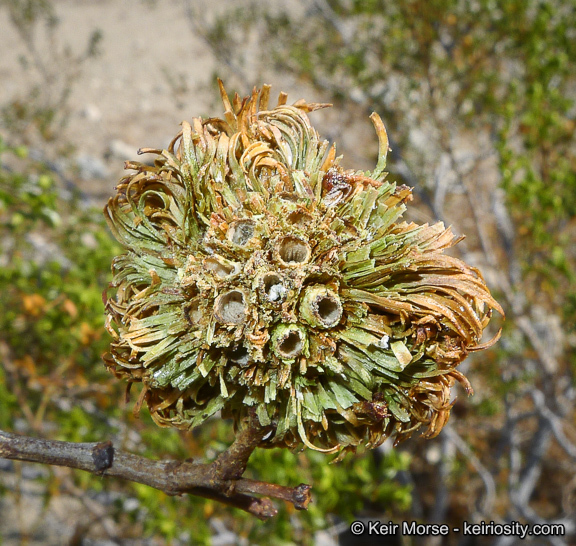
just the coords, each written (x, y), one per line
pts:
(383, 343)
(131, 504)
(276, 292)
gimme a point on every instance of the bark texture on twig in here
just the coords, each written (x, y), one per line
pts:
(220, 480)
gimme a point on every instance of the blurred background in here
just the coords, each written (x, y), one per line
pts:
(478, 97)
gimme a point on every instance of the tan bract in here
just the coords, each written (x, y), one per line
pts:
(259, 275)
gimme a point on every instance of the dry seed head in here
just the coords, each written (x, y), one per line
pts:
(259, 274)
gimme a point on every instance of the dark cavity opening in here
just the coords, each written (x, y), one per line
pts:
(242, 231)
(221, 269)
(293, 251)
(299, 218)
(193, 313)
(291, 345)
(239, 354)
(230, 307)
(329, 310)
(273, 287)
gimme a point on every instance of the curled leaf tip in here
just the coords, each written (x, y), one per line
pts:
(378, 173)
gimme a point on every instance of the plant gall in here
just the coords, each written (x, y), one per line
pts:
(259, 276)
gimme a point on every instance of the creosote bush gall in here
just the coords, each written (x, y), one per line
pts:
(261, 276)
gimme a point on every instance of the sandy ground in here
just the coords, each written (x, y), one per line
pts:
(153, 71)
(122, 100)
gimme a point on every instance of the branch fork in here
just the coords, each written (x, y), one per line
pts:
(220, 480)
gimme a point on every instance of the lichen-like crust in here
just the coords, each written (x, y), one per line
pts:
(261, 275)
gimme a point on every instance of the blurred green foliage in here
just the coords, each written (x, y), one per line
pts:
(51, 68)
(54, 260)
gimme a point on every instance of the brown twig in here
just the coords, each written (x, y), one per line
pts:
(220, 480)
(231, 464)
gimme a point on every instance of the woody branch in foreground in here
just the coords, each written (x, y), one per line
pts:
(220, 480)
